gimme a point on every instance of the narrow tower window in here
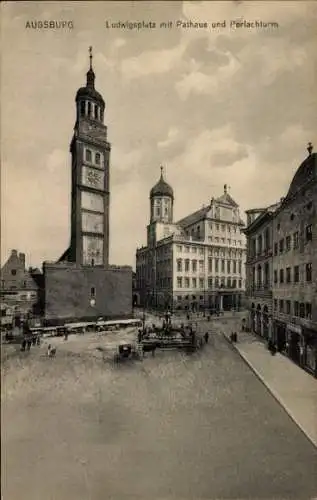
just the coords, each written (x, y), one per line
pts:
(96, 112)
(82, 108)
(93, 291)
(89, 108)
(88, 155)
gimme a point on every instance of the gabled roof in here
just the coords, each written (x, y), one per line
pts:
(226, 199)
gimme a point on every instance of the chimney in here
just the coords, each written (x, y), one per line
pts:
(22, 259)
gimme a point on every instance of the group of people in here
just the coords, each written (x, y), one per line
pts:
(30, 340)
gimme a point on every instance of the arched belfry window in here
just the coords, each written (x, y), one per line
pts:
(89, 108)
(96, 112)
(88, 155)
(82, 108)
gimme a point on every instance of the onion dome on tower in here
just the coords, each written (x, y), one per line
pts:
(161, 188)
(90, 103)
(161, 200)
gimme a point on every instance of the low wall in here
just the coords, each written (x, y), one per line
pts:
(83, 293)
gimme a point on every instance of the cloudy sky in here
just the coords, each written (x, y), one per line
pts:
(214, 106)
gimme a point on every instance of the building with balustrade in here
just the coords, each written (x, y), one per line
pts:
(197, 263)
(259, 270)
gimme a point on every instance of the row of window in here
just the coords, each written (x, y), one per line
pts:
(188, 249)
(298, 309)
(223, 228)
(91, 110)
(260, 244)
(212, 282)
(179, 298)
(292, 241)
(232, 266)
(287, 276)
(211, 251)
(223, 240)
(93, 157)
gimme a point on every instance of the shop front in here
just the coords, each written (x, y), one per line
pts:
(279, 336)
(309, 359)
(294, 342)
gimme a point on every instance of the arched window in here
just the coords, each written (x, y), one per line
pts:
(96, 112)
(82, 108)
(88, 155)
(89, 108)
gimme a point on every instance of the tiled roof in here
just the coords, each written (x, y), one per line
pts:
(194, 217)
(305, 172)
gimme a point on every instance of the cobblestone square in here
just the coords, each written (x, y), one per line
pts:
(173, 426)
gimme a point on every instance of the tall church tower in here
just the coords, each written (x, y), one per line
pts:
(90, 151)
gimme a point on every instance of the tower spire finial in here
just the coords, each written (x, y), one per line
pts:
(90, 57)
(90, 72)
(161, 167)
(310, 148)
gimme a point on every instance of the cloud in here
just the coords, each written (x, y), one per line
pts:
(201, 83)
(172, 135)
(152, 62)
(213, 106)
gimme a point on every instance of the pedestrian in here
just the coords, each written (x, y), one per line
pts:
(23, 345)
(34, 340)
(38, 340)
(29, 343)
(206, 337)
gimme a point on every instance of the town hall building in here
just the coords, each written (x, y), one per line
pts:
(195, 264)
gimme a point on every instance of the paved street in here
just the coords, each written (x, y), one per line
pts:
(170, 427)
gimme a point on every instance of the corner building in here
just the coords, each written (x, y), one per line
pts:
(82, 284)
(195, 264)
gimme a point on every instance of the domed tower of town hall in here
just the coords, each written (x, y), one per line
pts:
(161, 201)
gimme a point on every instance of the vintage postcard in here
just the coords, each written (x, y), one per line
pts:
(158, 250)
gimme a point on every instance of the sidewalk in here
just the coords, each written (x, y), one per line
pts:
(292, 387)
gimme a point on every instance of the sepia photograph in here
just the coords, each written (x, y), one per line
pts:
(158, 250)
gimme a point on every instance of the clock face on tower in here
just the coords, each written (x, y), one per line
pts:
(93, 178)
